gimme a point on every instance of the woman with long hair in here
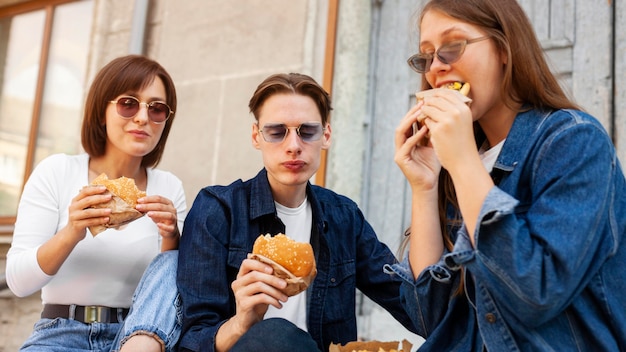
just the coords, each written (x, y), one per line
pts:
(518, 221)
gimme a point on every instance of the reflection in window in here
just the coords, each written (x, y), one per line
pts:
(61, 114)
(21, 50)
(22, 38)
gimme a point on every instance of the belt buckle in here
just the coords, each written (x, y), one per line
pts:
(96, 314)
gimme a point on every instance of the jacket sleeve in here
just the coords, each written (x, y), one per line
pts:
(202, 273)
(536, 253)
(426, 299)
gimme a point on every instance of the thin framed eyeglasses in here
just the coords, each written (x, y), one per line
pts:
(277, 132)
(127, 107)
(447, 53)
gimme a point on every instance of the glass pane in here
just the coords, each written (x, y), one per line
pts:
(61, 115)
(20, 47)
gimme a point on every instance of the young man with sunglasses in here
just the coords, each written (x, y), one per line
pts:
(231, 303)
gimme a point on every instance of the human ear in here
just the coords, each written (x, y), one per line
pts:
(255, 136)
(326, 137)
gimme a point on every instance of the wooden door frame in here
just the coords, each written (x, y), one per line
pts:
(327, 80)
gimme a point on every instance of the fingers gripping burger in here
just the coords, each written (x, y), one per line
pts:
(291, 260)
(463, 90)
(122, 204)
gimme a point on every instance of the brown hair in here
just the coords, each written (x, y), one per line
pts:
(295, 83)
(527, 81)
(123, 75)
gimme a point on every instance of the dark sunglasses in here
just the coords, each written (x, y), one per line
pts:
(276, 133)
(127, 107)
(448, 53)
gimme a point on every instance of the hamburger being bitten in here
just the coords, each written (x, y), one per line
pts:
(462, 88)
(122, 204)
(291, 260)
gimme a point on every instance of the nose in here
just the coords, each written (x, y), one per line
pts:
(294, 143)
(141, 117)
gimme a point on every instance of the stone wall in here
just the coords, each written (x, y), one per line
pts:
(17, 315)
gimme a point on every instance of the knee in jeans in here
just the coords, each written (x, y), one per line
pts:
(150, 334)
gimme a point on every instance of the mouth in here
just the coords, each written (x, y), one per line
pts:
(462, 87)
(456, 85)
(294, 164)
(139, 133)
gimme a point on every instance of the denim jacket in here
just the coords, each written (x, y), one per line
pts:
(548, 272)
(220, 230)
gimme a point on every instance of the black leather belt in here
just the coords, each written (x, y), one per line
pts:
(84, 314)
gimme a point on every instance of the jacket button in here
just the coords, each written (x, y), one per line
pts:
(332, 279)
(491, 318)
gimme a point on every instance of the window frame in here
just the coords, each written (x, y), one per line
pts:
(49, 6)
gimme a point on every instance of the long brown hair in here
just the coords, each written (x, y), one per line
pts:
(528, 81)
(125, 74)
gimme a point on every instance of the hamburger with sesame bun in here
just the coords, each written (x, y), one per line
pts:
(291, 260)
(122, 204)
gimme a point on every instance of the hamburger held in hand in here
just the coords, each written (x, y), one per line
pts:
(463, 90)
(291, 260)
(122, 204)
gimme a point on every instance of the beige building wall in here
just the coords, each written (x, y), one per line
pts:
(217, 52)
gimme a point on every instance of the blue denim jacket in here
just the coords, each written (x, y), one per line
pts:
(220, 230)
(549, 269)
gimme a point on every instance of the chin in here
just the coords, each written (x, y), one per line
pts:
(292, 179)
(297, 179)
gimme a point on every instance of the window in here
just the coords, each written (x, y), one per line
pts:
(44, 46)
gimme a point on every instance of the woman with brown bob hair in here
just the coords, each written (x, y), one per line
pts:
(130, 73)
(518, 221)
(107, 284)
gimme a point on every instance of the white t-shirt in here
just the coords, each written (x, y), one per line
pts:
(489, 156)
(102, 270)
(298, 223)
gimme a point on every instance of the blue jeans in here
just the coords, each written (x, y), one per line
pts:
(263, 336)
(155, 311)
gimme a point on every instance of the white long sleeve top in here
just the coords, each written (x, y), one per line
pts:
(102, 270)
